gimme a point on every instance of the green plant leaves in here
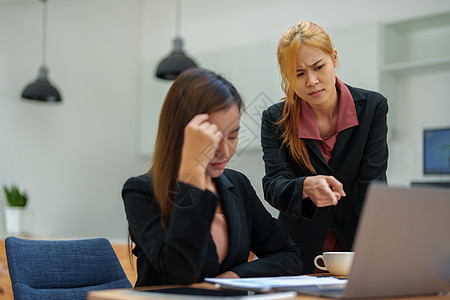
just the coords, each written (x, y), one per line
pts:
(14, 197)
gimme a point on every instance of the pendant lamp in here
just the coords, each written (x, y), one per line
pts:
(177, 61)
(41, 89)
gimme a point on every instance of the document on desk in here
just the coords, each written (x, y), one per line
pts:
(268, 283)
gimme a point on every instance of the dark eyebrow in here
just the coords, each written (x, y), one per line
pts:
(235, 130)
(312, 65)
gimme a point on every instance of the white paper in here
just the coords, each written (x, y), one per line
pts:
(267, 283)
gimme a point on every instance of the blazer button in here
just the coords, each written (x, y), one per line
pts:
(331, 209)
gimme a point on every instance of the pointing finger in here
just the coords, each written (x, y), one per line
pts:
(336, 185)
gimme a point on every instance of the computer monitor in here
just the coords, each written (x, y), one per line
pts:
(436, 151)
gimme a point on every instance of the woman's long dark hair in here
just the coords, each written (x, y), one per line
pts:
(194, 91)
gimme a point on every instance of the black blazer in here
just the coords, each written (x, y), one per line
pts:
(360, 156)
(186, 253)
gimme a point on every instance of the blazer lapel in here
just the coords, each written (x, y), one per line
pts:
(344, 135)
(238, 237)
(315, 150)
(341, 141)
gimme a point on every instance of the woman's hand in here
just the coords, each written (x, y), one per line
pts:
(323, 190)
(201, 139)
(228, 274)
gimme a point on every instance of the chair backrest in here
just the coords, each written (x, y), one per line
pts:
(62, 269)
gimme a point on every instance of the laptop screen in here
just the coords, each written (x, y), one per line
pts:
(436, 151)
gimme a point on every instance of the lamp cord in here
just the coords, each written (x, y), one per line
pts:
(44, 32)
(178, 18)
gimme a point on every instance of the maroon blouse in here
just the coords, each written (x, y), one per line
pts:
(308, 130)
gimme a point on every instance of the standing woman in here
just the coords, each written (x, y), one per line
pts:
(322, 145)
(189, 217)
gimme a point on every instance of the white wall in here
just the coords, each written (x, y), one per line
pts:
(424, 104)
(73, 158)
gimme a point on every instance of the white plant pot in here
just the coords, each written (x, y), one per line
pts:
(14, 219)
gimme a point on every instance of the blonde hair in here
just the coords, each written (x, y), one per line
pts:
(313, 35)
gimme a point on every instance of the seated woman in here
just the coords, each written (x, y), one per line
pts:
(189, 217)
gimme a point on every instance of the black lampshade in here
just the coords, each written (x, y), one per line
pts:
(41, 89)
(171, 66)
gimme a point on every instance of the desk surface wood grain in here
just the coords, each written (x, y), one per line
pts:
(124, 294)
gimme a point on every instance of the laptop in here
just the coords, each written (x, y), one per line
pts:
(402, 245)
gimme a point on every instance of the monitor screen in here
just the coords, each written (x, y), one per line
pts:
(436, 151)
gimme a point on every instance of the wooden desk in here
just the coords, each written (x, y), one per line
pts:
(123, 294)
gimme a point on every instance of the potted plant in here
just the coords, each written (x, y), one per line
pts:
(16, 203)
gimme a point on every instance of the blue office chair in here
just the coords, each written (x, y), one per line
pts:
(58, 269)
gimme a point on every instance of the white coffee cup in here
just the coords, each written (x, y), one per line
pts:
(337, 263)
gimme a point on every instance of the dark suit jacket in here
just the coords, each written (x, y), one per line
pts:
(186, 253)
(360, 156)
